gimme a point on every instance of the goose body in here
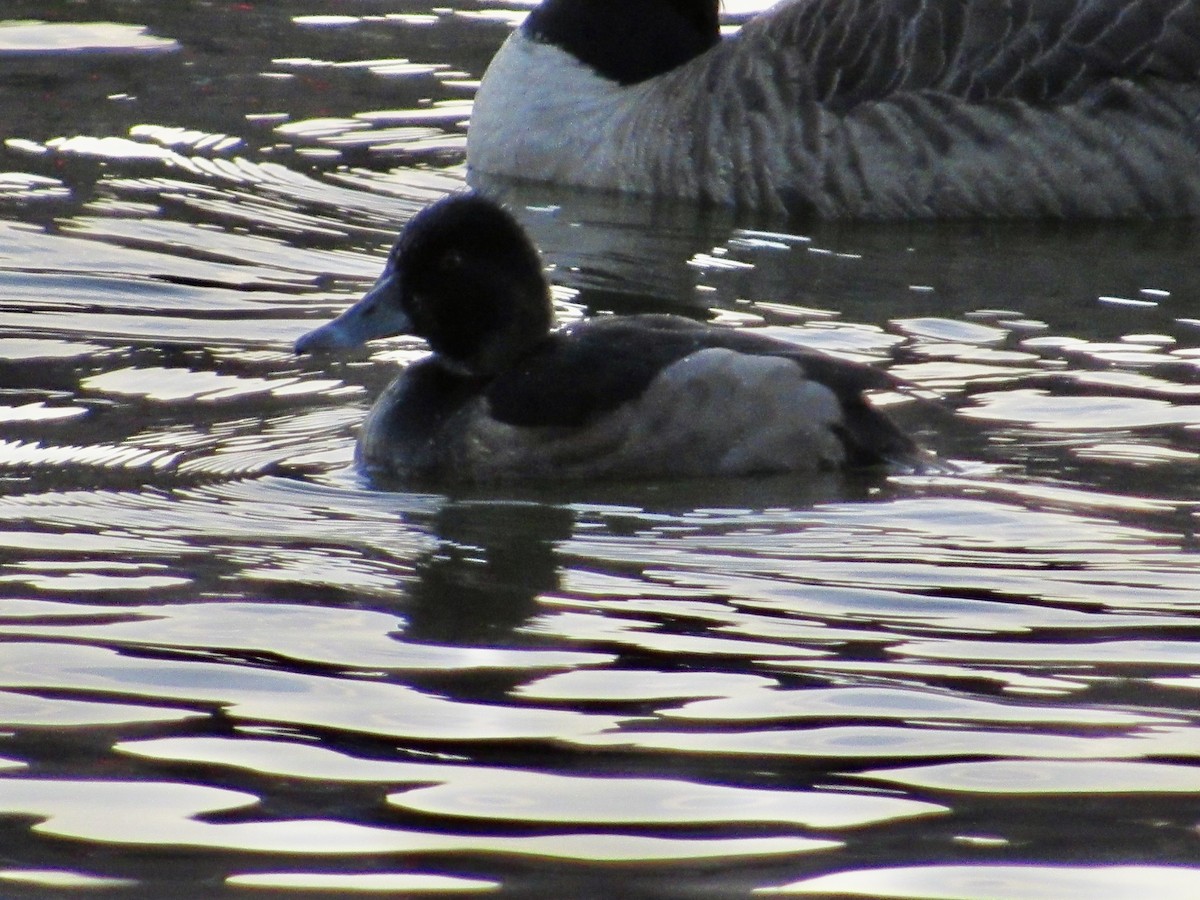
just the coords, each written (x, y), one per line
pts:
(877, 109)
(503, 396)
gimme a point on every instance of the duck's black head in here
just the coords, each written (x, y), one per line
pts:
(464, 276)
(627, 41)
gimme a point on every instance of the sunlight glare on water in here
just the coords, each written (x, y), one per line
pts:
(229, 665)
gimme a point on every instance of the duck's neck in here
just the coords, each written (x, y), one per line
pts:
(482, 339)
(627, 41)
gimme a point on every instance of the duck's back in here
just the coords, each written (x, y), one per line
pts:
(901, 109)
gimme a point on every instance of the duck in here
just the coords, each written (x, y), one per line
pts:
(504, 395)
(855, 109)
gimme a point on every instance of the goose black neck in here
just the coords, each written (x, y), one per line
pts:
(627, 41)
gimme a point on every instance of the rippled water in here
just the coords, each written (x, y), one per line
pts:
(228, 666)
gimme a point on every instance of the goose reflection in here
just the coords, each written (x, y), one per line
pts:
(619, 254)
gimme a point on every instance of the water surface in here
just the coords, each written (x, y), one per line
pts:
(228, 666)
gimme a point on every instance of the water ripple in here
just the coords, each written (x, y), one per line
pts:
(225, 652)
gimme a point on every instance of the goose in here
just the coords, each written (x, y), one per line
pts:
(505, 396)
(856, 109)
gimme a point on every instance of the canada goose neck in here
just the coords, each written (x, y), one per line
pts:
(627, 41)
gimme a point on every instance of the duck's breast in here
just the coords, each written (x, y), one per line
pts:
(411, 430)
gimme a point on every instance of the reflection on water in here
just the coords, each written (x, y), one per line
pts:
(226, 664)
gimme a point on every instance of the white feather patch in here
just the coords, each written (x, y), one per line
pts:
(542, 115)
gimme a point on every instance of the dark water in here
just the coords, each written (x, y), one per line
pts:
(228, 667)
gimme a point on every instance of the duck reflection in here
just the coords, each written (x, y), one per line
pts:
(492, 560)
(493, 557)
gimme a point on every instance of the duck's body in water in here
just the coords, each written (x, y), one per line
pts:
(505, 397)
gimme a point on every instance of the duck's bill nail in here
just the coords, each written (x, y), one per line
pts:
(374, 316)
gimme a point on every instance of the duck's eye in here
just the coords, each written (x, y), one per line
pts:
(450, 260)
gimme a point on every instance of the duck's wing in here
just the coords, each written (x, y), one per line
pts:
(763, 396)
(585, 372)
(867, 436)
(590, 369)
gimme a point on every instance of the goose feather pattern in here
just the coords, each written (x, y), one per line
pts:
(877, 109)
